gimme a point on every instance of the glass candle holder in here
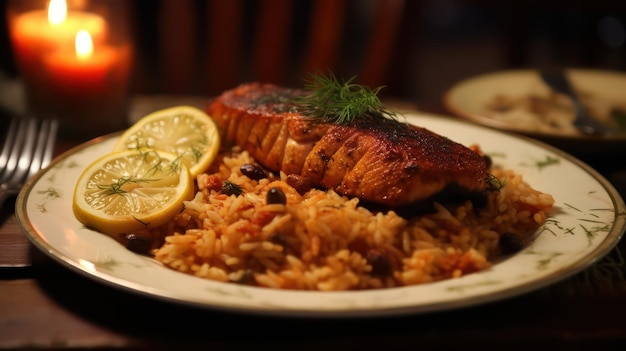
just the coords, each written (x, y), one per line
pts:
(74, 59)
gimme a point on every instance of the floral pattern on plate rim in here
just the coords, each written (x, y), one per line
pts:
(52, 190)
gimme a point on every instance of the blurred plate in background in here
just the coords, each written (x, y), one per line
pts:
(518, 101)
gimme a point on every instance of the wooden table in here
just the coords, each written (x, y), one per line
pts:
(44, 305)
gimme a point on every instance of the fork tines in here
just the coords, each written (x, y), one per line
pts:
(28, 147)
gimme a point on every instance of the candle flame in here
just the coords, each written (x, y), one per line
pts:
(57, 11)
(84, 44)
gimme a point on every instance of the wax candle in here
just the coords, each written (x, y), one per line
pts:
(88, 70)
(89, 82)
(86, 90)
(36, 32)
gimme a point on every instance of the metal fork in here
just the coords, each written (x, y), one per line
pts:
(27, 148)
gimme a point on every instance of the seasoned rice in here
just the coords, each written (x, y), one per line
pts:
(323, 241)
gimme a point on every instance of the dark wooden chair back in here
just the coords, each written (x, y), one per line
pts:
(206, 47)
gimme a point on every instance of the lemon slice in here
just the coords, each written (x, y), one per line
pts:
(183, 130)
(126, 191)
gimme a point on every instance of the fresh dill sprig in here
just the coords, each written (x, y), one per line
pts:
(122, 185)
(494, 183)
(230, 188)
(332, 101)
(157, 171)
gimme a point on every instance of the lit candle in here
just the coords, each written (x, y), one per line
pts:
(36, 32)
(70, 68)
(87, 70)
(88, 85)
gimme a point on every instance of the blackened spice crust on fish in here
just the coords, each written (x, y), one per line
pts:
(379, 160)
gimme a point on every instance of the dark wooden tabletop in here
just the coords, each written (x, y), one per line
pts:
(45, 305)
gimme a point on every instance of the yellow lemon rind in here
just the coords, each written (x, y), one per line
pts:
(108, 224)
(196, 166)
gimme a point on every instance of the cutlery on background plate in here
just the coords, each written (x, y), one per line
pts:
(587, 124)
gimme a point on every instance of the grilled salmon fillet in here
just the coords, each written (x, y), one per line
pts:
(381, 161)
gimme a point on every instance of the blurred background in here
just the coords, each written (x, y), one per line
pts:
(201, 47)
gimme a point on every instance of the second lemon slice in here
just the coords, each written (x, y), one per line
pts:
(182, 130)
(126, 191)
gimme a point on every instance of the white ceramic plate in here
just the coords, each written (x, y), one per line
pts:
(588, 220)
(468, 98)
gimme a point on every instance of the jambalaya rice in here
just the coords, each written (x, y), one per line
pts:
(323, 241)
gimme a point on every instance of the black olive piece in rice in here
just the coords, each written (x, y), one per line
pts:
(246, 278)
(278, 239)
(253, 172)
(510, 243)
(381, 265)
(276, 196)
(138, 243)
